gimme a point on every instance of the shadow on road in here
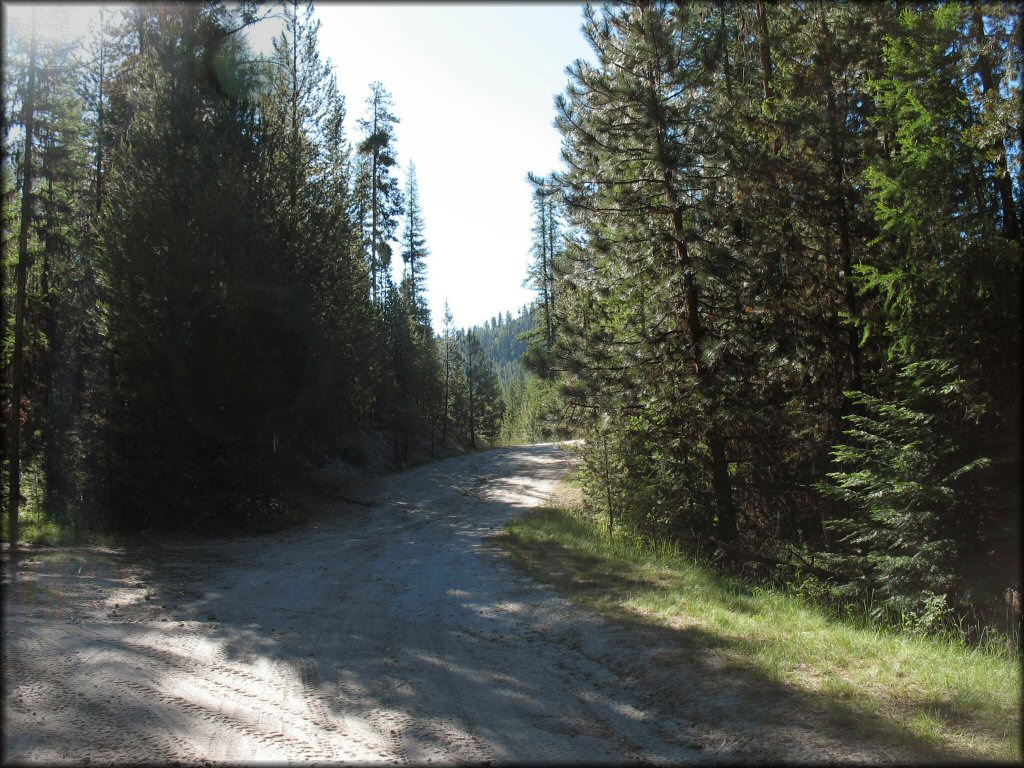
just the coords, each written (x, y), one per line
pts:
(399, 630)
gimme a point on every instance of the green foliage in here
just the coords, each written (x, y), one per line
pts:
(484, 406)
(899, 477)
(193, 289)
(59, 334)
(501, 339)
(380, 199)
(929, 467)
(784, 248)
(211, 303)
(776, 218)
(414, 251)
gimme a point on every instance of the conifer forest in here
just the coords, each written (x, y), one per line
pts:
(777, 286)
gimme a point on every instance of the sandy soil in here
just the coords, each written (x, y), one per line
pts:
(387, 631)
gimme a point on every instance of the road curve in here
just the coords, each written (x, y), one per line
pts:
(388, 631)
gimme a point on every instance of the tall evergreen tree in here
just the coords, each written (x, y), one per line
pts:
(303, 180)
(761, 260)
(447, 342)
(175, 244)
(17, 385)
(52, 293)
(545, 242)
(946, 272)
(641, 174)
(414, 251)
(484, 405)
(384, 203)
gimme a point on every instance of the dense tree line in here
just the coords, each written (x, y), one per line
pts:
(502, 341)
(787, 293)
(198, 297)
(529, 408)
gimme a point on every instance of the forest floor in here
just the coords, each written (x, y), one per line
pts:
(391, 628)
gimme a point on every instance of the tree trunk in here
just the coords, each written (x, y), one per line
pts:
(100, 114)
(764, 46)
(842, 216)
(374, 159)
(293, 182)
(447, 379)
(549, 273)
(1011, 227)
(721, 483)
(472, 419)
(472, 406)
(21, 279)
(608, 488)
(53, 463)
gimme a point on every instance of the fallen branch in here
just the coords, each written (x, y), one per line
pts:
(739, 553)
(355, 501)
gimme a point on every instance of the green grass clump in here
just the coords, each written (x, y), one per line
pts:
(936, 694)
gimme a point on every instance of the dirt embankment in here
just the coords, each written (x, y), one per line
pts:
(387, 630)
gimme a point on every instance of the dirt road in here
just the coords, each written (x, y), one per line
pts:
(388, 631)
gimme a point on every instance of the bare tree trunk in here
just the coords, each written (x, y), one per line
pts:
(100, 112)
(608, 488)
(765, 48)
(842, 213)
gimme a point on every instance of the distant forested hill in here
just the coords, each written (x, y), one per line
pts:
(501, 340)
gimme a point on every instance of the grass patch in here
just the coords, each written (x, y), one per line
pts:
(36, 529)
(936, 695)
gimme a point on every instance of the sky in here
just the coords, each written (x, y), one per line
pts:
(473, 87)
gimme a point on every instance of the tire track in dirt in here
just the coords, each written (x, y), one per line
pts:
(263, 696)
(206, 708)
(423, 735)
(104, 729)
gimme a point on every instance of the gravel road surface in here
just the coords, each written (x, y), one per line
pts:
(391, 630)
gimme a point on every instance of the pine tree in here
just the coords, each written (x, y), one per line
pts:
(175, 243)
(414, 251)
(447, 342)
(384, 203)
(17, 385)
(545, 242)
(484, 406)
(541, 274)
(303, 180)
(95, 91)
(66, 289)
(936, 451)
(54, 300)
(640, 178)
(901, 479)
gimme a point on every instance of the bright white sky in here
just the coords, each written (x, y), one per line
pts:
(473, 86)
